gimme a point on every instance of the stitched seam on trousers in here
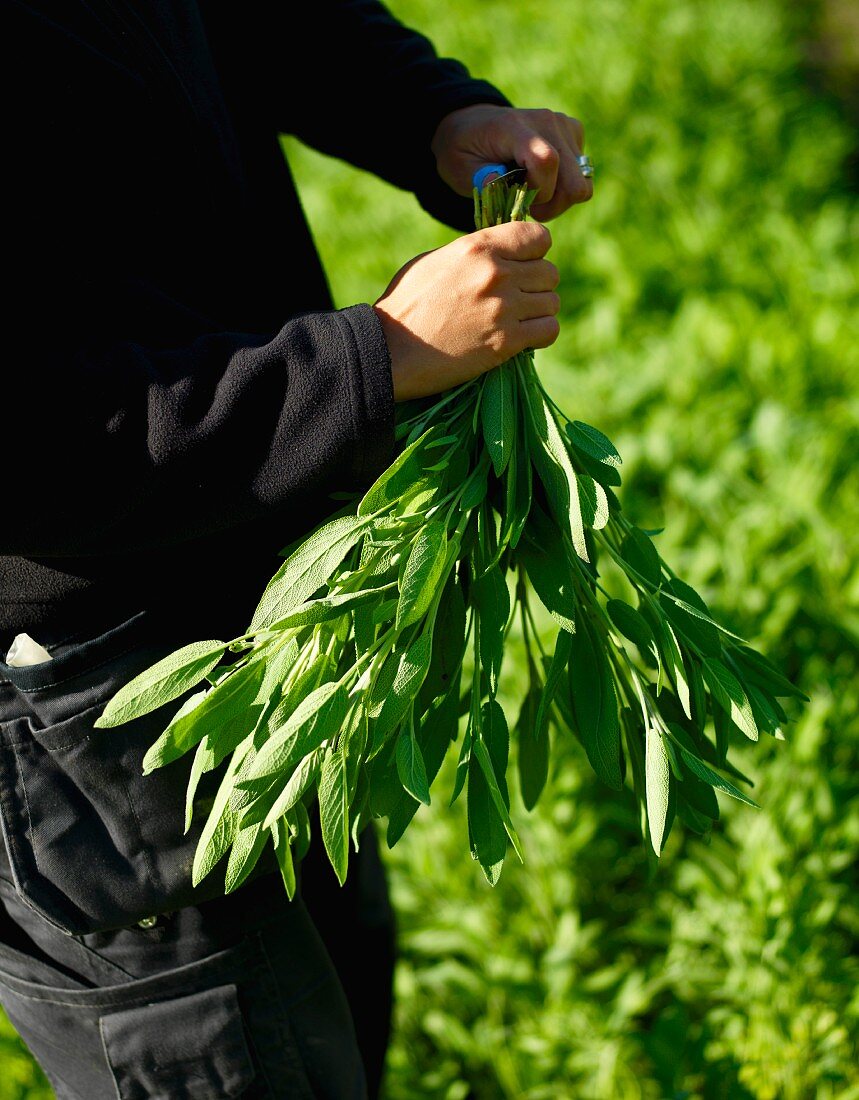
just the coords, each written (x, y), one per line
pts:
(75, 676)
(143, 849)
(54, 748)
(107, 1057)
(27, 804)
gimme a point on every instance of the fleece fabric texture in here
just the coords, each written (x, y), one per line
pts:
(180, 397)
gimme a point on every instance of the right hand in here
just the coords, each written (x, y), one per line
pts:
(457, 312)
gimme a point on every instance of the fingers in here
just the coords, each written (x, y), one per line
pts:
(514, 240)
(541, 159)
(549, 146)
(536, 275)
(544, 303)
(538, 332)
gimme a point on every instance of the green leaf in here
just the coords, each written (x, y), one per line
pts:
(435, 734)
(548, 569)
(557, 668)
(699, 768)
(550, 457)
(399, 478)
(639, 552)
(728, 692)
(758, 669)
(283, 853)
(697, 632)
(492, 600)
(593, 501)
(221, 825)
(657, 785)
(481, 755)
(595, 705)
(475, 489)
(498, 414)
(631, 624)
(517, 500)
(317, 718)
(410, 766)
(329, 607)
(163, 682)
(296, 786)
(334, 813)
(533, 742)
(485, 828)
(763, 709)
(412, 667)
(423, 573)
(449, 639)
(592, 442)
(307, 569)
(227, 710)
(244, 855)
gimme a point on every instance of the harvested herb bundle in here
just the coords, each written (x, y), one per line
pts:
(349, 684)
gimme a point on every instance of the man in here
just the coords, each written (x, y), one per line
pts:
(180, 399)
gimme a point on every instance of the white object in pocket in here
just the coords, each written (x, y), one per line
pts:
(25, 651)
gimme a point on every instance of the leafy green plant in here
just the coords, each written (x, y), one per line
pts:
(351, 679)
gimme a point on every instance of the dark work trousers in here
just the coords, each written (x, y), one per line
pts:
(123, 980)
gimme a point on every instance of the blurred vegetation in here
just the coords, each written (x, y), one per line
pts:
(710, 328)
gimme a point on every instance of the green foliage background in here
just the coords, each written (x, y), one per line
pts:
(710, 329)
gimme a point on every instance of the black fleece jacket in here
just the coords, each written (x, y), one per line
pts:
(179, 396)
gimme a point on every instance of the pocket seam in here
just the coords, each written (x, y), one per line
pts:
(27, 804)
(75, 676)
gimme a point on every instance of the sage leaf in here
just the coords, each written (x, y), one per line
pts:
(296, 787)
(307, 569)
(401, 477)
(657, 786)
(317, 718)
(641, 555)
(283, 854)
(162, 683)
(410, 766)
(411, 669)
(334, 813)
(631, 624)
(548, 571)
(552, 462)
(227, 711)
(492, 600)
(592, 442)
(699, 768)
(533, 749)
(244, 855)
(554, 673)
(728, 692)
(498, 415)
(595, 706)
(423, 573)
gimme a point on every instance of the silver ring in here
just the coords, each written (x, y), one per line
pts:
(587, 168)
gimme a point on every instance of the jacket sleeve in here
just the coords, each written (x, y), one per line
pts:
(130, 447)
(121, 436)
(369, 90)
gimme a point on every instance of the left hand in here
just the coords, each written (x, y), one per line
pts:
(545, 143)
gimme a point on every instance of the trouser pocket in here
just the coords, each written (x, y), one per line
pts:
(264, 1020)
(190, 1048)
(92, 843)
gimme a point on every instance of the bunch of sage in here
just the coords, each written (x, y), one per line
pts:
(382, 637)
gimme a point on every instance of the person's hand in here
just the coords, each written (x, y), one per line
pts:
(545, 143)
(454, 313)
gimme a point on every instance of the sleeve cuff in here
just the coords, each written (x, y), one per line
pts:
(372, 392)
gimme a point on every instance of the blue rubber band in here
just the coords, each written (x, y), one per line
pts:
(479, 177)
